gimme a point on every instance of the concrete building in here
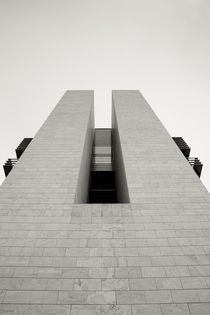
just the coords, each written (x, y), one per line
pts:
(146, 253)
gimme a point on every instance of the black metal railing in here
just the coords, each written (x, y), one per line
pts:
(196, 164)
(182, 146)
(22, 146)
(185, 149)
(10, 163)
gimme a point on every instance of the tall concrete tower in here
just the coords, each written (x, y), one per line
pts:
(65, 250)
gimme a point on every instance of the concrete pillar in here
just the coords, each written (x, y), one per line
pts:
(55, 167)
(156, 170)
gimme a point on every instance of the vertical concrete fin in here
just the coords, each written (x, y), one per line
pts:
(53, 165)
(155, 168)
(120, 177)
(84, 172)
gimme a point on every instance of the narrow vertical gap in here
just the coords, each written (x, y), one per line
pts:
(102, 187)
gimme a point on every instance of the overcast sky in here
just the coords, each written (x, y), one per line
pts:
(160, 47)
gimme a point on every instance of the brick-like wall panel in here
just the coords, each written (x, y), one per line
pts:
(151, 256)
(156, 170)
(48, 170)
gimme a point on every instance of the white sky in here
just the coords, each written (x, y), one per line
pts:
(160, 47)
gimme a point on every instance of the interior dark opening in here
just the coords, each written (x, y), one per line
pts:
(102, 185)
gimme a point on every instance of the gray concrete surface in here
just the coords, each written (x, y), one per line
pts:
(155, 168)
(118, 161)
(150, 256)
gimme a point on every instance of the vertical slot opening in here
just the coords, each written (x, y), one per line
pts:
(106, 169)
(102, 188)
(102, 176)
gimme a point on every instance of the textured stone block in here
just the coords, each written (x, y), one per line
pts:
(86, 310)
(146, 309)
(175, 309)
(130, 297)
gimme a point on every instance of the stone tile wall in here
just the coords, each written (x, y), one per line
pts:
(151, 256)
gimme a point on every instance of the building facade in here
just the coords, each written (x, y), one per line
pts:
(62, 252)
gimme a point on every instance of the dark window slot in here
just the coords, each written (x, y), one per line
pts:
(102, 188)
